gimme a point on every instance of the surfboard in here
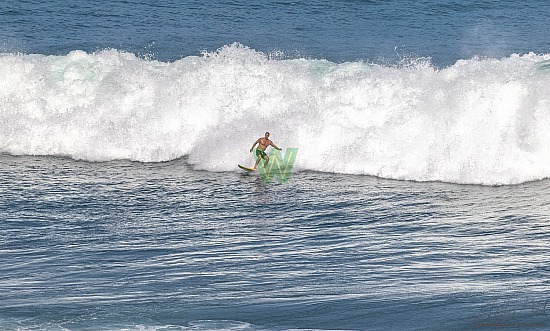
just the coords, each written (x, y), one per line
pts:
(246, 168)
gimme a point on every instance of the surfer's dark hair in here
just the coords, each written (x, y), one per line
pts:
(267, 132)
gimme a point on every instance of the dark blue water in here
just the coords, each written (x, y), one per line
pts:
(125, 245)
(444, 31)
(121, 206)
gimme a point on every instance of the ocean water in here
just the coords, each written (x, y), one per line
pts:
(418, 199)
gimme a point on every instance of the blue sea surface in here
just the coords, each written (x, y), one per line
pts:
(123, 245)
(347, 30)
(418, 199)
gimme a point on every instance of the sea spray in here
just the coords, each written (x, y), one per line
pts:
(479, 121)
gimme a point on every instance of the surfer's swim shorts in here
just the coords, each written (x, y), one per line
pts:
(260, 153)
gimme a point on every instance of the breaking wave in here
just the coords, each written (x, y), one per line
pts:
(479, 121)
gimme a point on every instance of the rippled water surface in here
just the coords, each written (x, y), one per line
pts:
(455, 91)
(444, 31)
(134, 245)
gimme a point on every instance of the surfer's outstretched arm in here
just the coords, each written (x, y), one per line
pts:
(272, 144)
(254, 145)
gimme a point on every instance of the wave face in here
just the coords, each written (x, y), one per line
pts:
(479, 121)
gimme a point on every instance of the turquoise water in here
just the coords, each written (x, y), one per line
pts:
(418, 199)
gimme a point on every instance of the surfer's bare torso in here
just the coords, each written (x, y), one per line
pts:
(263, 143)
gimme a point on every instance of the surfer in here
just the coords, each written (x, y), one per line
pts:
(263, 143)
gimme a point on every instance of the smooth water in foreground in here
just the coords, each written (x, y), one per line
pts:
(128, 245)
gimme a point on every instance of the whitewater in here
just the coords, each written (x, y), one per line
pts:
(478, 121)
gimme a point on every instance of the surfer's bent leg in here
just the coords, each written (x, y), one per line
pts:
(261, 155)
(258, 157)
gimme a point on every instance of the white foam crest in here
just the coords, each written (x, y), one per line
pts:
(480, 121)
